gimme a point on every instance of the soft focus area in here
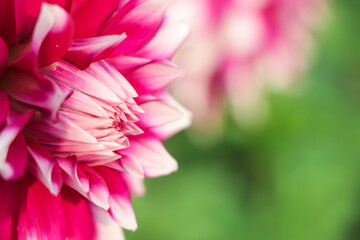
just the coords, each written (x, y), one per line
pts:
(295, 176)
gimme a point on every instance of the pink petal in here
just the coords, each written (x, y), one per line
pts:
(151, 155)
(7, 136)
(132, 167)
(4, 106)
(158, 114)
(172, 35)
(112, 79)
(135, 184)
(69, 75)
(106, 227)
(84, 51)
(73, 176)
(85, 181)
(9, 202)
(49, 132)
(120, 203)
(79, 217)
(99, 192)
(51, 38)
(140, 20)
(154, 76)
(16, 160)
(126, 64)
(45, 167)
(36, 91)
(4, 55)
(42, 215)
(162, 128)
(83, 103)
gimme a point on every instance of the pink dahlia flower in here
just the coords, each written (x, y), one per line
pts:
(237, 47)
(83, 112)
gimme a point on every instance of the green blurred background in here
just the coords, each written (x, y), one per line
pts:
(295, 178)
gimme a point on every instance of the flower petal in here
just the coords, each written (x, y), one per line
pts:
(165, 129)
(35, 91)
(51, 38)
(106, 227)
(9, 202)
(172, 34)
(84, 51)
(140, 20)
(151, 155)
(74, 176)
(154, 76)
(80, 80)
(7, 136)
(44, 166)
(126, 64)
(120, 203)
(4, 106)
(99, 192)
(97, 11)
(79, 218)
(7, 22)
(4, 55)
(42, 215)
(16, 160)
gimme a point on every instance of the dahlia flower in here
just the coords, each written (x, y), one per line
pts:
(237, 47)
(83, 112)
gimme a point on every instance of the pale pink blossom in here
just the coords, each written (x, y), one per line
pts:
(239, 48)
(83, 112)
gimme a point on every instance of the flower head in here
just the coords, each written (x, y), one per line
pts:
(83, 113)
(239, 47)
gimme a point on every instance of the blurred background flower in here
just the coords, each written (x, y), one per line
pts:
(296, 177)
(237, 49)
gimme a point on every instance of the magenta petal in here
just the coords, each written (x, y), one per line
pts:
(42, 215)
(4, 55)
(17, 159)
(84, 51)
(9, 202)
(171, 35)
(4, 106)
(120, 203)
(140, 22)
(89, 15)
(36, 91)
(7, 136)
(79, 218)
(7, 22)
(26, 14)
(58, 39)
(51, 38)
(154, 76)
(45, 167)
(151, 155)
